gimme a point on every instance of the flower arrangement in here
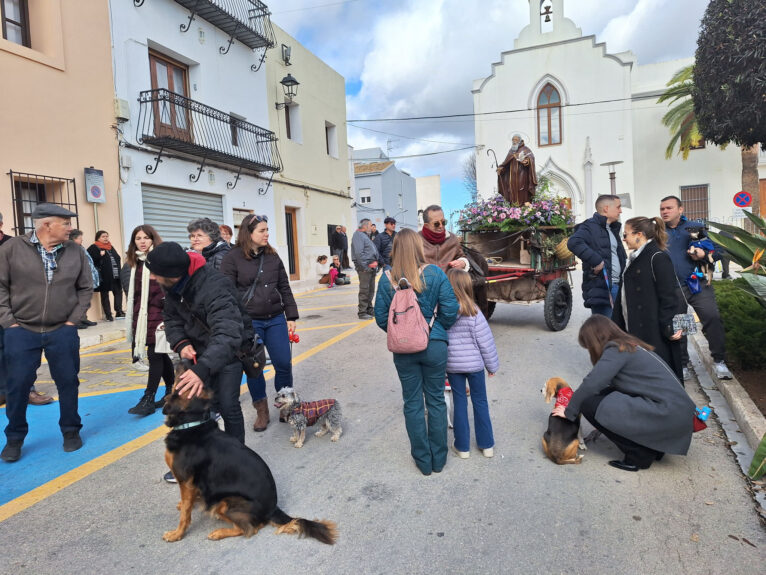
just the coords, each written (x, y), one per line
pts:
(498, 214)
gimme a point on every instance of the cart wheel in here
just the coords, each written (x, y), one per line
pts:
(558, 304)
(491, 308)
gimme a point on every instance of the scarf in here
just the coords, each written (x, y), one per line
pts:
(104, 245)
(434, 237)
(138, 339)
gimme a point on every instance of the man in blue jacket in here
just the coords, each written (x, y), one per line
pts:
(687, 253)
(596, 241)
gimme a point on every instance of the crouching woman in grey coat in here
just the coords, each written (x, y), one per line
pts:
(631, 396)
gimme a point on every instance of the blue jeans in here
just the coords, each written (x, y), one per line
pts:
(3, 372)
(606, 310)
(274, 334)
(23, 351)
(422, 374)
(481, 423)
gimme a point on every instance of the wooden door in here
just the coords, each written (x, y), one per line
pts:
(291, 233)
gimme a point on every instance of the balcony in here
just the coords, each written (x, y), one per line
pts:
(172, 122)
(246, 20)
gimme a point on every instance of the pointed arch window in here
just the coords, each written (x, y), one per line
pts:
(549, 116)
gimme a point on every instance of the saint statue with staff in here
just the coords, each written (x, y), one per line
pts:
(516, 176)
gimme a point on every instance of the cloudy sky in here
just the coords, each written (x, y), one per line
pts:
(404, 58)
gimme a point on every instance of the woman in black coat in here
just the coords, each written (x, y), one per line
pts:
(649, 294)
(261, 279)
(107, 262)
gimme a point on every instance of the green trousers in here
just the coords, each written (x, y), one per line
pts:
(422, 375)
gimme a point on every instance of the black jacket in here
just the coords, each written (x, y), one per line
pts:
(651, 300)
(591, 244)
(384, 243)
(104, 266)
(206, 298)
(273, 295)
(214, 253)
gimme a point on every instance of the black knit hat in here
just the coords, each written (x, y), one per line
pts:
(168, 260)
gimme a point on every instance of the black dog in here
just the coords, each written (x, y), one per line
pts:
(232, 480)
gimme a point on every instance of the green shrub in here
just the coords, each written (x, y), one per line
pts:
(745, 323)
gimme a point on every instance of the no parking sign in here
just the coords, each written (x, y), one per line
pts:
(743, 199)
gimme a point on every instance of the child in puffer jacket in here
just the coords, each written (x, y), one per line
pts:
(471, 349)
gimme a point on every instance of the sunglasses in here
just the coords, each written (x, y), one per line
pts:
(255, 219)
(626, 234)
(439, 223)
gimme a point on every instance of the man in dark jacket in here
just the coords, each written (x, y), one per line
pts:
(385, 241)
(596, 241)
(687, 254)
(39, 312)
(336, 243)
(204, 323)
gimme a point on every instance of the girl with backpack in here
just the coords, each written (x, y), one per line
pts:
(471, 350)
(421, 373)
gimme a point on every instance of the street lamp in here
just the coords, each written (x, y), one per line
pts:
(612, 176)
(290, 89)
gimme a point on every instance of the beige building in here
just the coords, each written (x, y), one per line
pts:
(313, 192)
(57, 114)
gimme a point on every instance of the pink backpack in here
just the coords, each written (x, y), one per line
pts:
(408, 331)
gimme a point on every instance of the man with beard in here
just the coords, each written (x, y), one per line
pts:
(516, 176)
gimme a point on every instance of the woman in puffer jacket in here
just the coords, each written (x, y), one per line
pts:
(471, 350)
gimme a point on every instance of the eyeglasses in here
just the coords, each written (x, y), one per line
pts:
(198, 236)
(439, 223)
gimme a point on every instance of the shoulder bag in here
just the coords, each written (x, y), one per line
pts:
(683, 321)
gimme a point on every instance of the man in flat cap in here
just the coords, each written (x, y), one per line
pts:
(39, 312)
(385, 241)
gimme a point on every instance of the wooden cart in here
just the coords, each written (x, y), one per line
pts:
(517, 273)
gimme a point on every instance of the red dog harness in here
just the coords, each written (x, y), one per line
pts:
(563, 396)
(313, 410)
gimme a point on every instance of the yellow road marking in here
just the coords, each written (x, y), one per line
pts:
(102, 344)
(55, 485)
(327, 307)
(328, 326)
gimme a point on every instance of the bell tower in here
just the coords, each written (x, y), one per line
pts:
(547, 24)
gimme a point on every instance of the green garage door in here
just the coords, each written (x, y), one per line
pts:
(170, 210)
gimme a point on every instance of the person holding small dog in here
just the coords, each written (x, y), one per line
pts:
(145, 303)
(422, 374)
(340, 277)
(631, 396)
(205, 324)
(264, 288)
(325, 272)
(471, 349)
(649, 293)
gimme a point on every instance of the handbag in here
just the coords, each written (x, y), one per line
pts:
(161, 343)
(683, 321)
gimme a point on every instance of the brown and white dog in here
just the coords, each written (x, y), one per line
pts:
(562, 438)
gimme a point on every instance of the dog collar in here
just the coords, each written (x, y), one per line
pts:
(191, 424)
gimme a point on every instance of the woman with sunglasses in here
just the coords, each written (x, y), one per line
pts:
(260, 277)
(649, 291)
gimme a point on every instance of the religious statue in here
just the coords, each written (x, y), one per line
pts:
(516, 176)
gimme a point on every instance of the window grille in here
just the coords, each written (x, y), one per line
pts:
(29, 190)
(695, 201)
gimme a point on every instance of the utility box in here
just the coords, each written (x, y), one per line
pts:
(121, 110)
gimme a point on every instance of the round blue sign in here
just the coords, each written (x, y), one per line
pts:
(95, 192)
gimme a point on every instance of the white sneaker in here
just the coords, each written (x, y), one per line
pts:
(461, 454)
(721, 371)
(489, 452)
(687, 374)
(140, 366)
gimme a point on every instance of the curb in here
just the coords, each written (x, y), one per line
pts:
(751, 421)
(102, 337)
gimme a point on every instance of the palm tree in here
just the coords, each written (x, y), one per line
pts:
(680, 118)
(685, 132)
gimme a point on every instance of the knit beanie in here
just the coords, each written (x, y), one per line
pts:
(168, 260)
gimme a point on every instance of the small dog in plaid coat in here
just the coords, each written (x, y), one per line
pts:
(303, 414)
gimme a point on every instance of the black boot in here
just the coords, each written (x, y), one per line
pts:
(145, 406)
(161, 403)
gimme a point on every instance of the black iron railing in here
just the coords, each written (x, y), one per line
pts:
(246, 20)
(28, 190)
(170, 121)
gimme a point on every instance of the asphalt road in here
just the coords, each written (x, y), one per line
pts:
(514, 513)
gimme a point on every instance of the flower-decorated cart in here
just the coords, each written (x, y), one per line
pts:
(526, 253)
